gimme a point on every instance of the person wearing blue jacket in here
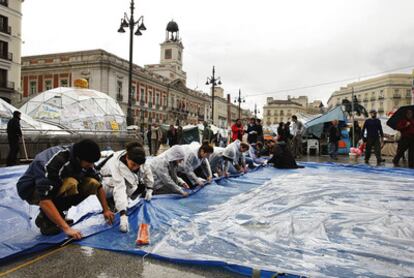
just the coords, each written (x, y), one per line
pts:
(374, 136)
(61, 177)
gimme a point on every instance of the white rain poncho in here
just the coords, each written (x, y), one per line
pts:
(192, 162)
(232, 151)
(216, 160)
(164, 169)
(121, 183)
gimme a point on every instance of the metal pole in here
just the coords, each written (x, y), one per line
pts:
(255, 111)
(239, 100)
(213, 81)
(130, 120)
(353, 122)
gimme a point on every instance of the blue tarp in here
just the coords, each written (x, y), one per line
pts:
(324, 220)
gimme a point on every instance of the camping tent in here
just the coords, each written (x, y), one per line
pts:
(77, 108)
(315, 126)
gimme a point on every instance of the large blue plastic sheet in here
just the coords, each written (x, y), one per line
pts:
(324, 220)
(18, 232)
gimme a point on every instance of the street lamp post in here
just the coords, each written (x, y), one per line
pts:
(131, 23)
(239, 100)
(214, 81)
(256, 111)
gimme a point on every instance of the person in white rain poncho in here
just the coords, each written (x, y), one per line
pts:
(229, 160)
(125, 175)
(164, 168)
(196, 161)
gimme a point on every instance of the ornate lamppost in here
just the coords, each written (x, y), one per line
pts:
(239, 100)
(131, 23)
(214, 81)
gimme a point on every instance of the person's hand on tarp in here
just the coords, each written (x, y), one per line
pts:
(109, 216)
(73, 233)
(184, 194)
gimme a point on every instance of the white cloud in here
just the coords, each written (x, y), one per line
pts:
(258, 46)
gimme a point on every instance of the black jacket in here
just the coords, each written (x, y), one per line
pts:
(13, 129)
(334, 134)
(282, 158)
(252, 137)
(48, 170)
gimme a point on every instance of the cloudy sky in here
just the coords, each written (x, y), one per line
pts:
(264, 47)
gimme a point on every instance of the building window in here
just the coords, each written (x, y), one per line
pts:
(119, 87)
(142, 94)
(64, 83)
(4, 49)
(4, 3)
(134, 91)
(4, 26)
(157, 99)
(48, 85)
(168, 54)
(33, 87)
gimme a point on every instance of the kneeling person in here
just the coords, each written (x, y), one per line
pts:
(125, 175)
(61, 177)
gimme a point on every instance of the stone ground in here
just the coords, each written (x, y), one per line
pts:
(76, 261)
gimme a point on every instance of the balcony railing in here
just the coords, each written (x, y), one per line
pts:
(380, 110)
(373, 98)
(381, 97)
(6, 29)
(7, 85)
(365, 99)
(396, 96)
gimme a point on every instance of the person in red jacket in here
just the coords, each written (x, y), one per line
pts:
(237, 131)
(406, 127)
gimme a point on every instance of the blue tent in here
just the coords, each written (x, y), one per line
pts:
(315, 126)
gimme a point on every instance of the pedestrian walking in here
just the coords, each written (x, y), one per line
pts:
(208, 134)
(172, 136)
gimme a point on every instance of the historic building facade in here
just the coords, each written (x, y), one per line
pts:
(276, 110)
(10, 49)
(384, 94)
(159, 96)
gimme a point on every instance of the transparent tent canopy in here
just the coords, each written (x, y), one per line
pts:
(77, 108)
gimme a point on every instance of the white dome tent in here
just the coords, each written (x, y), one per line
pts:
(77, 108)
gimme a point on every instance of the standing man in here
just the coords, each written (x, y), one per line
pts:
(297, 131)
(172, 136)
(208, 134)
(252, 132)
(259, 129)
(374, 137)
(14, 132)
(334, 137)
(406, 127)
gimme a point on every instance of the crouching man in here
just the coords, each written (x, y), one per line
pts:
(61, 177)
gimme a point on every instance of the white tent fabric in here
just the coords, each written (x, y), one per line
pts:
(77, 108)
(6, 113)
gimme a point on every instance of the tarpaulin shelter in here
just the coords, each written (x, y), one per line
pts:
(315, 126)
(77, 108)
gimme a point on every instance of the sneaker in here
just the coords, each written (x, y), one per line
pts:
(46, 226)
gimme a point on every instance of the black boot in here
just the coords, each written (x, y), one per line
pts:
(46, 226)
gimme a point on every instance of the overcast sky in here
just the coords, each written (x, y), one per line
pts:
(263, 47)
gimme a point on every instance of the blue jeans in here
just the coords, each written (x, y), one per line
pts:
(333, 149)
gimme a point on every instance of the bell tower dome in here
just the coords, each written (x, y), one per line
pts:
(171, 56)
